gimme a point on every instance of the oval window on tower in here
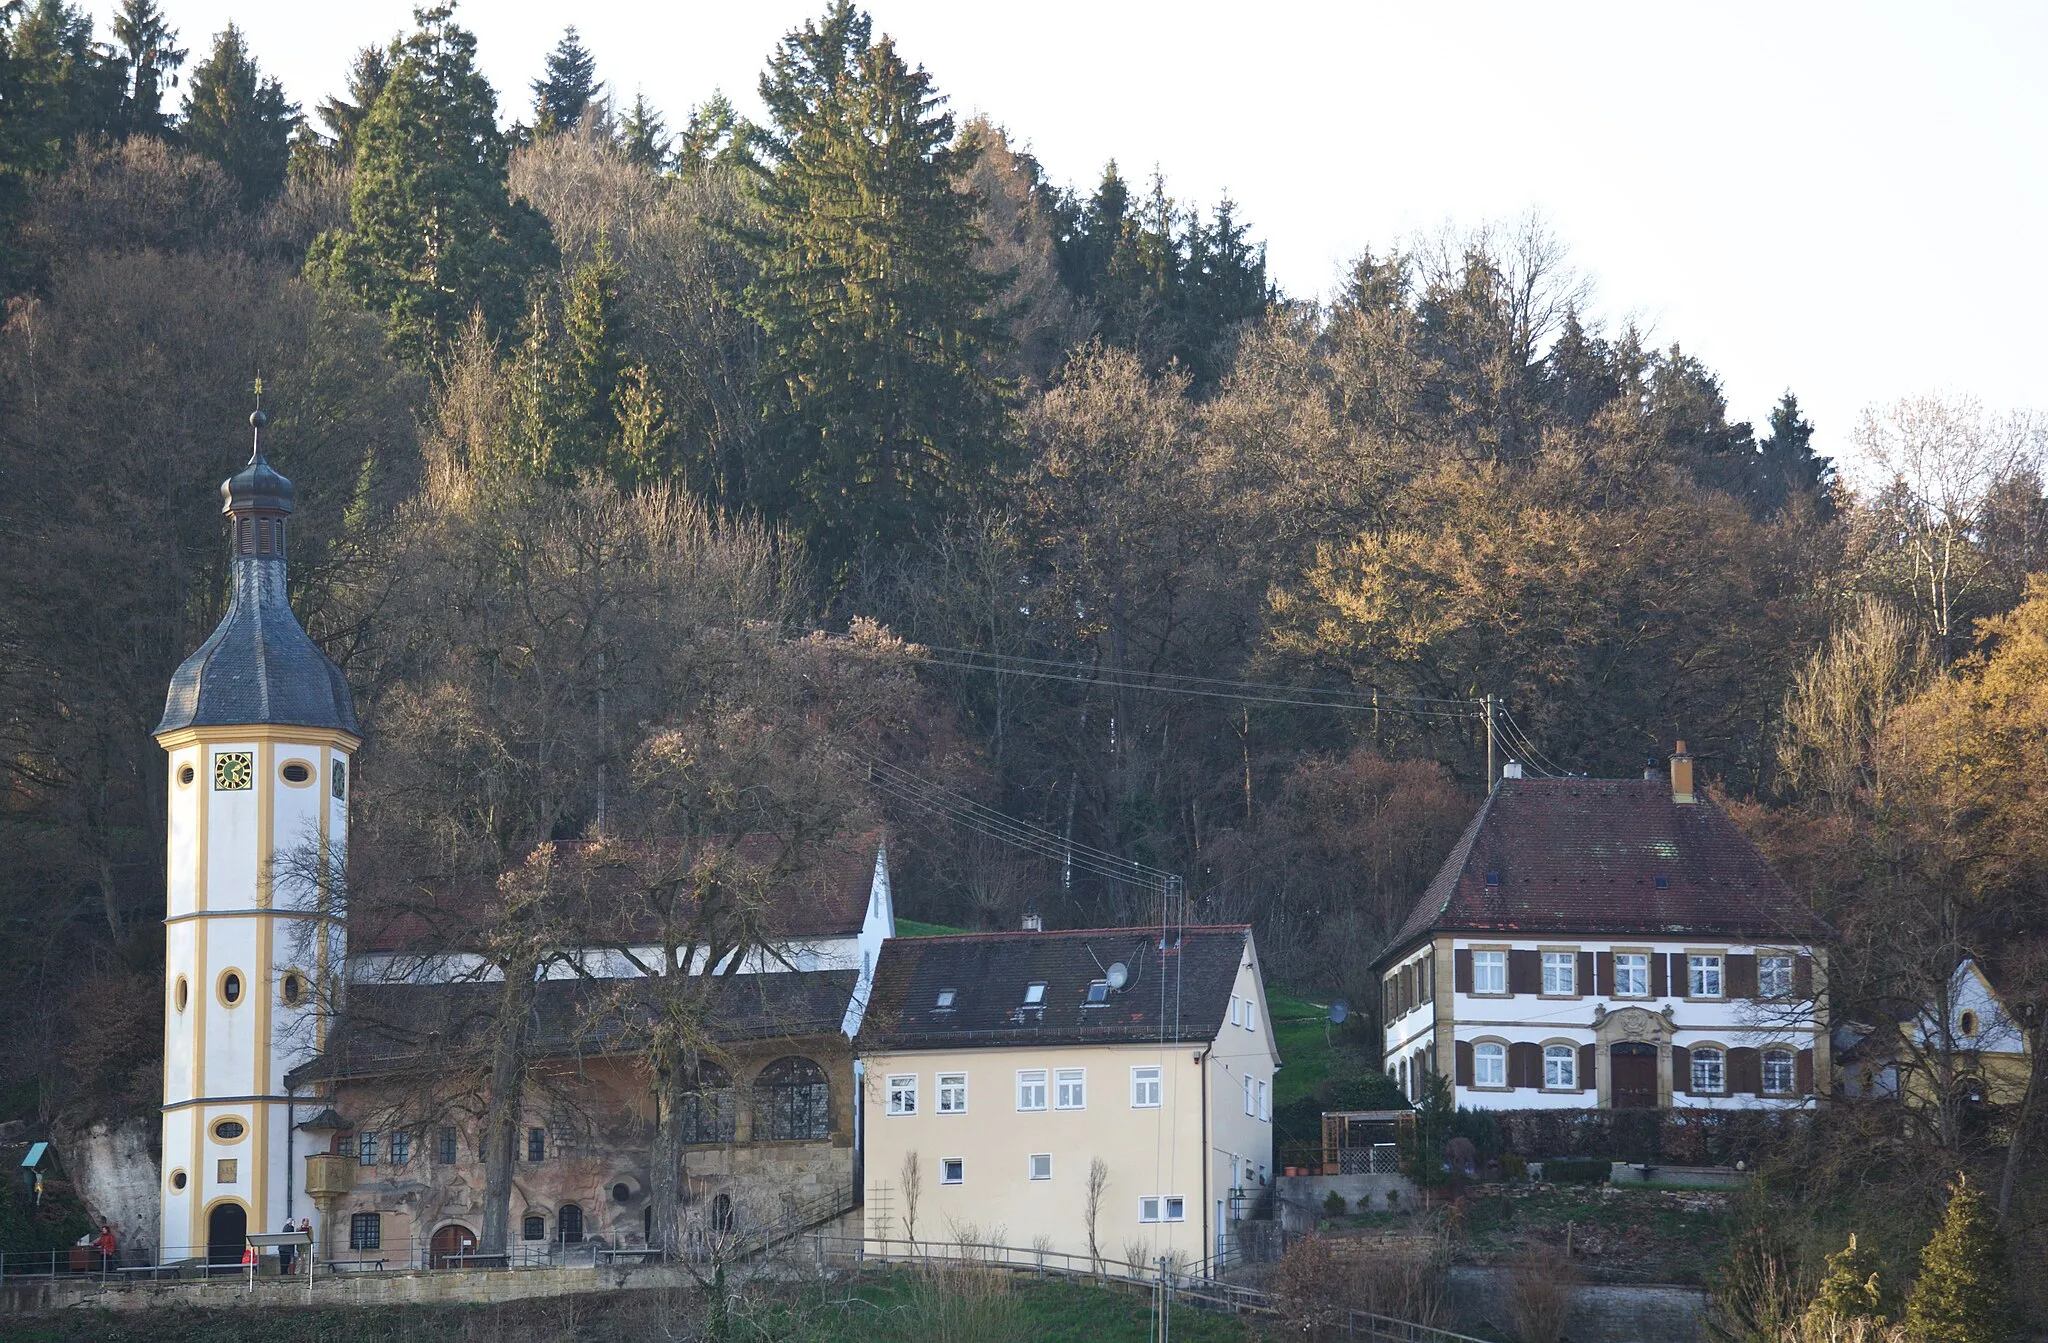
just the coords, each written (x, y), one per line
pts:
(230, 988)
(228, 1130)
(182, 994)
(185, 776)
(177, 1181)
(293, 989)
(297, 773)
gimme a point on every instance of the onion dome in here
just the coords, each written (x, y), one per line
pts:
(259, 665)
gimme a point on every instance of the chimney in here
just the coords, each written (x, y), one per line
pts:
(1681, 775)
(1511, 770)
(1034, 923)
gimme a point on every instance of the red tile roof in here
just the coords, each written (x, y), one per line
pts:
(1585, 856)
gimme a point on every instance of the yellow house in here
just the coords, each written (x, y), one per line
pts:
(1968, 1046)
(1103, 1092)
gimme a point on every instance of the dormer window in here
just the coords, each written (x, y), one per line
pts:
(945, 1003)
(1493, 878)
(1663, 882)
(1034, 995)
(1098, 993)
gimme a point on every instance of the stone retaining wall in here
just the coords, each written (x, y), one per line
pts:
(1482, 1300)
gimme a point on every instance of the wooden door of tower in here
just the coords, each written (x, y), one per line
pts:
(1634, 1070)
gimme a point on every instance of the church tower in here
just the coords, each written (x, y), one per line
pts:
(261, 733)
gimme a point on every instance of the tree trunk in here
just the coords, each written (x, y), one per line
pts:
(501, 1117)
(665, 1159)
(2016, 1146)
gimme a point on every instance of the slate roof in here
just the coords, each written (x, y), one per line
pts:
(259, 665)
(988, 974)
(1584, 855)
(384, 1027)
(830, 900)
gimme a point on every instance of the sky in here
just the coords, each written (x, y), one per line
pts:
(1846, 201)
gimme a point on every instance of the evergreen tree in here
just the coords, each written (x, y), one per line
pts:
(433, 233)
(152, 59)
(592, 362)
(567, 86)
(239, 119)
(343, 117)
(879, 418)
(1961, 1295)
(715, 133)
(644, 135)
(1849, 1290)
(1790, 467)
(56, 85)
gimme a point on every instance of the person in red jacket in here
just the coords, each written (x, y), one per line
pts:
(106, 1244)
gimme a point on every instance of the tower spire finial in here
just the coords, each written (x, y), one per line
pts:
(257, 419)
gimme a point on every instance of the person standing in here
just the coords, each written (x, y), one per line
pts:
(287, 1254)
(106, 1245)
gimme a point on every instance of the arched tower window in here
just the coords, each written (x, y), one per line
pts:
(792, 1100)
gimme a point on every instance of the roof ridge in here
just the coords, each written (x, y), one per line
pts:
(1146, 928)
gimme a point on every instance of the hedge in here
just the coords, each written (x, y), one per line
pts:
(1668, 1137)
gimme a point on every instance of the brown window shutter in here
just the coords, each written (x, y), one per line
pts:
(1586, 987)
(1525, 1065)
(1603, 973)
(1659, 984)
(1802, 977)
(1741, 976)
(1461, 971)
(1525, 972)
(1587, 1055)
(1464, 1051)
(1681, 1070)
(1802, 1072)
(1745, 1071)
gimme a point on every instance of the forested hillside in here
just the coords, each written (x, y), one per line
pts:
(608, 419)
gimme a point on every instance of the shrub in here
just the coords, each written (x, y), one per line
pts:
(1961, 1293)
(1333, 1204)
(1540, 1294)
(1850, 1289)
(1513, 1167)
(1578, 1170)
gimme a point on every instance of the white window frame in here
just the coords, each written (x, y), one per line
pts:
(952, 1170)
(1032, 1087)
(952, 1089)
(1034, 994)
(1062, 1080)
(1560, 968)
(1700, 1058)
(1498, 1054)
(1495, 960)
(1250, 1101)
(1637, 983)
(1162, 1208)
(1791, 1063)
(1568, 1056)
(1265, 1102)
(1236, 1011)
(1032, 1166)
(902, 1089)
(1147, 1085)
(1773, 966)
(1702, 969)
(1251, 1015)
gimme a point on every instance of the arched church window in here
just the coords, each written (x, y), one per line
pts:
(792, 1100)
(706, 1114)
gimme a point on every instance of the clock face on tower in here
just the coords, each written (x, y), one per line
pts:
(232, 771)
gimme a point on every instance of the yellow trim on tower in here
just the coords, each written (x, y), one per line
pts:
(215, 734)
(266, 863)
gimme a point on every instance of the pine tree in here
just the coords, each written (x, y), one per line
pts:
(644, 135)
(567, 86)
(1849, 1290)
(239, 119)
(1962, 1295)
(1790, 467)
(56, 85)
(433, 233)
(152, 60)
(591, 366)
(879, 418)
(715, 133)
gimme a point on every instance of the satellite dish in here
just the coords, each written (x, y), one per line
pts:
(1339, 1010)
(1117, 975)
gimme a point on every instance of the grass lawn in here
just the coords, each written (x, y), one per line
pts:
(1311, 1049)
(1617, 1232)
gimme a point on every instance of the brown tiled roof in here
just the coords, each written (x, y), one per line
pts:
(830, 900)
(1585, 855)
(989, 972)
(387, 1027)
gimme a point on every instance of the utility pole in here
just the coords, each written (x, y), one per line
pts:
(1491, 775)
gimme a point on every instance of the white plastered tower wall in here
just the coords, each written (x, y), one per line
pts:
(247, 900)
(260, 732)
